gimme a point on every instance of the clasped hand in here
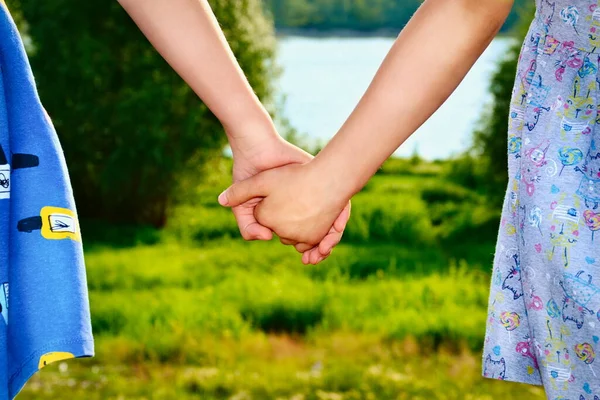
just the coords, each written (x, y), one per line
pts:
(298, 203)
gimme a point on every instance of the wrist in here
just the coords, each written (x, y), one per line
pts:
(333, 168)
(251, 131)
(244, 114)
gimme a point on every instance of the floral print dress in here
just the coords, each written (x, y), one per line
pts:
(543, 324)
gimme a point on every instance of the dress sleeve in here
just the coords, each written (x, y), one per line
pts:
(45, 314)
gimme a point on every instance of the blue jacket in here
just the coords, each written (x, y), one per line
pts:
(44, 303)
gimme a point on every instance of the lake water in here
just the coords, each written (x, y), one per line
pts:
(324, 78)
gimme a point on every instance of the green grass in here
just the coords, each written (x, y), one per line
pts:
(267, 367)
(192, 311)
(280, 295)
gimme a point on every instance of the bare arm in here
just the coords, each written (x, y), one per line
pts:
(427, 62)
(187, 34)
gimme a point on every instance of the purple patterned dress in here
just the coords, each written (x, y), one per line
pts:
(543, 324)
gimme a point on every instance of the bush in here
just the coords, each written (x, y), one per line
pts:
(287, 303)
(476, 223)
(129, 126)
(392, 218)
(467, 171)
(410, 166)
(442, 192)
(400, 308)
(361, 15)
(203, 224)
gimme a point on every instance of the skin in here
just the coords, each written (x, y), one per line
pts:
(187, 34)
(429, 59)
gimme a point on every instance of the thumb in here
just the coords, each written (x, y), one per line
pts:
(241, 192)
(343, 218)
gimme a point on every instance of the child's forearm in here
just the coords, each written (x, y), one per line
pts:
(186, 33)
(427, 62)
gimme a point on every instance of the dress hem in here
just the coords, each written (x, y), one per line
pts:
(79, 347)
(517, 380)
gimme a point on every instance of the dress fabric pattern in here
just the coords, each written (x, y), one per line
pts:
(44, 306)
(543, 322)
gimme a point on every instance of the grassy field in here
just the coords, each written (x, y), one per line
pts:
(192, 311)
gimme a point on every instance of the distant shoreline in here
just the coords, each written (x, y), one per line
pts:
(335, 33)
(344, 33)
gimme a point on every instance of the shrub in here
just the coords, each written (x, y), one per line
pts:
(442, 192)
(283, 303)
(392, 218)
(129, 126)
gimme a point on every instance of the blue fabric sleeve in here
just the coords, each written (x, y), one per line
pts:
(45, 314)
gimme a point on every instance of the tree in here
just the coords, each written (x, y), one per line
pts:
(361, 15)
(129, 126)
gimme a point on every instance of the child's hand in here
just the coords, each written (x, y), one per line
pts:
(257, 152)
(300, 205)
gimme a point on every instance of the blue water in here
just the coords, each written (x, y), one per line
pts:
(324, 78)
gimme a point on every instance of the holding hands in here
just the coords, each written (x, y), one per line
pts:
(205, 61)
(296, 201)
(280, 188)
(288, 198)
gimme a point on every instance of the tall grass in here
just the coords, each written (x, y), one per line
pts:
(194, 311)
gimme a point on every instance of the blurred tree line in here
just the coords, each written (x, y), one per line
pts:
(361, 15)
(133, 131)
(130, 128)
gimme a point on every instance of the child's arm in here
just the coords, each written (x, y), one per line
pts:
(187, 34)
(429, 59)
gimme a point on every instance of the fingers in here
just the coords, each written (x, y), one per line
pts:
(334, 236)
(249, 227)
(303, 247)
(316, 254)
(306, 258)
(287, 242)
(329, 242)
(313, 256)
(342, 220)
(243, 191)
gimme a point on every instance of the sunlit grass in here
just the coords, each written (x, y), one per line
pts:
(340, 366)
(193, 311)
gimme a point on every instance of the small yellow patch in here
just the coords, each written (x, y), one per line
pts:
(530, 370)
(510, 229)
(59, 223)
(52, 357)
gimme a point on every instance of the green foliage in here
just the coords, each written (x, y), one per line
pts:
(337, 367)
(410, 166)
(16, 14)
(361, 15)
(130, 127)
(235, 301)
(194, 311)
(285, 303)
(447, 192)
(391, 218)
